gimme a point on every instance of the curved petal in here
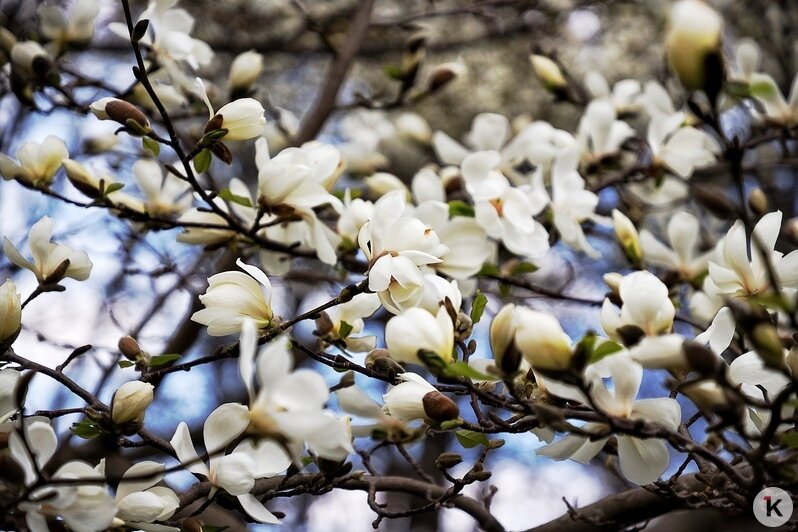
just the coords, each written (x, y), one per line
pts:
(642, 461)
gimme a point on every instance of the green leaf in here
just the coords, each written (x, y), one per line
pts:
(227, 195)
(606, 349)
(203, 161)
(152, 145)
(433, 361)
(393, 72)
(86, 429)
(460, 208)
(344, 329)
(113, 187)
(470, 439)
(125, 364)
(524, 267)
(789, 440)
(160, 360)
(462, 369)
(504, 289)
(490, 269)
(478, 307)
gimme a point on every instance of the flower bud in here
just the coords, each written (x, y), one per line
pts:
(123, 113)
(438, 407)
(541, 340)
(130, 401)
(244, 70)
(758, 201)
(29, 58)
(129, 348)
(792, 361)
(701, 358)
(708, 396)
(692, 42)
(549, 73)
(502, 340)
(444, 74)
(628, 237)
(10, 311)
(448, 460)
(768, 345)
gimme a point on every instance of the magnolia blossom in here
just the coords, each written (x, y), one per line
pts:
(489, 131)
(355, 401)
(365, 130)
(244, 70)
(77, 27)
(642, 461)
(139, 501)
(776, 108)
(646, 309)
(382, 183)
(51, 262)
(537, 336)
(740, 268)
(166, 195)
(348, 318)
(11, 312)
(24, 53)
(418, 331)
(624, 95)
(234, 297)
(694, 34)
(415, 398)
(86, 507)
(236, 472)
(95, 184)
(9, 378)
(679, 148)
(354, 215)
(505, 212)
(396, 245)
(38, 162)
(438, 291)
(289, 404)
(600, 134)
(243, 118)
(130, 402)
(755, 379)
(682, 256)
(536, 144)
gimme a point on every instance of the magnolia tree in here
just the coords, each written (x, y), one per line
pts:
(434, 339)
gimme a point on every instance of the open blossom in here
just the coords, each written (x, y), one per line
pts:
(86, 507)
(289, 403)
(233, 297)
(38, 162)
(489, 131)
(243, 118)
(505, 212)
(51, 262)
(396, 246)
(95, 184)
(600, 133)
(624, 95)
(678, 147)
(683, 255)
(76, 27)
(354, 215)
(646, 309)
(776, 108)
(140, 501)
(734, 273)
(236, 472)
(416, 331)
(348, 318)
(642, 461)
(166, 195)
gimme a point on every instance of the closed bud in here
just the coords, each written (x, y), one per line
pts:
(708, 396)
(140, 30)
(448, 460)
(549, 73)
(693, 43)
(11, 312)
(768, 345)
(792, 361)
(244, 70)
(129, 348)
(380, 360)
(26, 54)
(130, 402)
(758, 202)
(123, 113)
(444, 74)
(438, 407)
(502, 340)
(541, 340)
(700, 358)
(628, 237)
(792, 228)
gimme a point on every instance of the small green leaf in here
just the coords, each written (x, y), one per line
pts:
(433, 361)
(160, 360)
(490, 269)
(152, 145)
(113, 187)
(460, 208)
(227, 195)
(606, 349)
(504, 289)
(462, 369)
(524, 267)
(450, 424)
(789, 440)
(344, 329)
(86, 429)
(393, 71)
(125, 364)
(470, 439)
(203, 161)
(478, 307)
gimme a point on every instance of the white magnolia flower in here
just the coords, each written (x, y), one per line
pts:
(139, 502)
(51, 262)
(237, 471)
(624, 95)
(38, 162)
(11, 311)
(600, 134)
(9, 378)
(396, 245)
(680, 149)
(172, 28)
(437, 290)
(646, 306)
(467, 242)
(413, 126)
(754, 378)
(416, 399)
(536, 144)
(233, 297)
(540, 339)
(355, 401)
(505, 212)
(354, 215)
(418, 330)
(130, 402)
(83, 507)
(642, 461)
(682, 256)
(77, 27)
(24, 53)
(166, 195)
(244, 70)
(365, 130)
(694, 33)
(352, 313)
(381, 183)
(571, 204)
(734, 273)
(777, 109)
(94, 184)
(489, 131)
(746, 60)
(289, 404)
(243, 118)
(655, 100)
